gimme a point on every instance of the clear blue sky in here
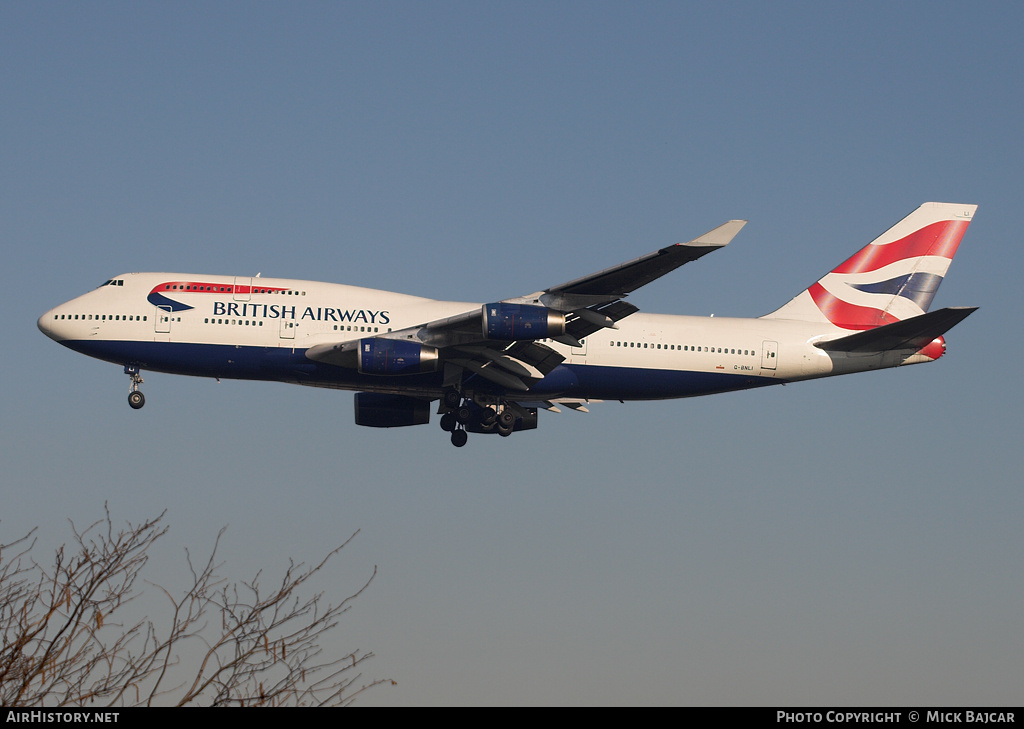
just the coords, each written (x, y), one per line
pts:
(848, 541)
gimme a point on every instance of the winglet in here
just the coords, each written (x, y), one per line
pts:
(718, 237)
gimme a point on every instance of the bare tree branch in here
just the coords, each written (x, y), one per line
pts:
(224, 643)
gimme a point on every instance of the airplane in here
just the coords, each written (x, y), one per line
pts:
(491, 367)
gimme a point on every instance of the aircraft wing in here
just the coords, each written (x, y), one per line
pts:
(499, 342)
(619, 281)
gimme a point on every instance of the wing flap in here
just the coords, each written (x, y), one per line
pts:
(495, 374)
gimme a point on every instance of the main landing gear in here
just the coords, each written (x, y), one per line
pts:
(462, 415)
(451, 422)
(135, 398)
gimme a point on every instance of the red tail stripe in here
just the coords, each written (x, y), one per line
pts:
(937, 239)
(847, 315)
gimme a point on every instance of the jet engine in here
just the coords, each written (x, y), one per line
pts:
(509, 322)
(395, 357)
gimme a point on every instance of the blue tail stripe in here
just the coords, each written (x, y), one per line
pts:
(918, 287)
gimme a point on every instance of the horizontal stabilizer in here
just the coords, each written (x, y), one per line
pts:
(912, 334)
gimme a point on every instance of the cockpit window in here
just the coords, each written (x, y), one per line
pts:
(112, 282)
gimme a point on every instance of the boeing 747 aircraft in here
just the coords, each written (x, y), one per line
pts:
(491, 367)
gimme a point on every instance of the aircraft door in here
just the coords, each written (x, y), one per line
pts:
(287, 328)
(242, 288)
(769, 355)
(163, 320)
(580, 351)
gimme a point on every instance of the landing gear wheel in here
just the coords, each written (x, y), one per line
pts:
(506, 420)
(451, 399)
(503, 431)
(464, 414)
(135, 398)
(448, 422)
(459, 438)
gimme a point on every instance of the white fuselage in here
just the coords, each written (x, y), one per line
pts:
(258, 328)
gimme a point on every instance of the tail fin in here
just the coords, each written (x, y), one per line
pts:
(893, 278)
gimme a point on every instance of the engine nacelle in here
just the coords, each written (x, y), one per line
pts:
(395, 357)
(509, 322)
(377, 410)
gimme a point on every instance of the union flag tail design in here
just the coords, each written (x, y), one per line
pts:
(893, 278)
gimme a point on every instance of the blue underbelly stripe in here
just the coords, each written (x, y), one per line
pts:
(281, 364)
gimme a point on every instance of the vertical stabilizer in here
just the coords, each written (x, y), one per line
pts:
(893, 278)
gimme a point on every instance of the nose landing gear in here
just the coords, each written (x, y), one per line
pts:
(135, 397)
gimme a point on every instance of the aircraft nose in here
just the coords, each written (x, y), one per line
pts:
(46, 324)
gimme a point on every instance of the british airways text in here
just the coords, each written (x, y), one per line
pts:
(276, 311)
